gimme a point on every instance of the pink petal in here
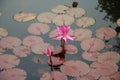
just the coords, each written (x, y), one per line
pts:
(71, 37)
(63, 33)
(49, 52)
(65, 39)
(59, 30)
(57, 37)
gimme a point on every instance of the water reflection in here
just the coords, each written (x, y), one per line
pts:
(111, 7)
(112, 10)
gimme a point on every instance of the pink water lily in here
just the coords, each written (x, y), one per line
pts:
(63, 34)
(49, 52)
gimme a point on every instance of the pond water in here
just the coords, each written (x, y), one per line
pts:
(103, 12)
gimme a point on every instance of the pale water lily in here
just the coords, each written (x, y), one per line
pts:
(63, 33)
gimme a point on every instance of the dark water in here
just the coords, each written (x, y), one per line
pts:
(105, 12)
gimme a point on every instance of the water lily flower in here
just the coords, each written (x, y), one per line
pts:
(49, 52)
(63, 33)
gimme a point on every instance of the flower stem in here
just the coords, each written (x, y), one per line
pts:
(51, 63)
(62, 55)
(63, 45)
(62, 42)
